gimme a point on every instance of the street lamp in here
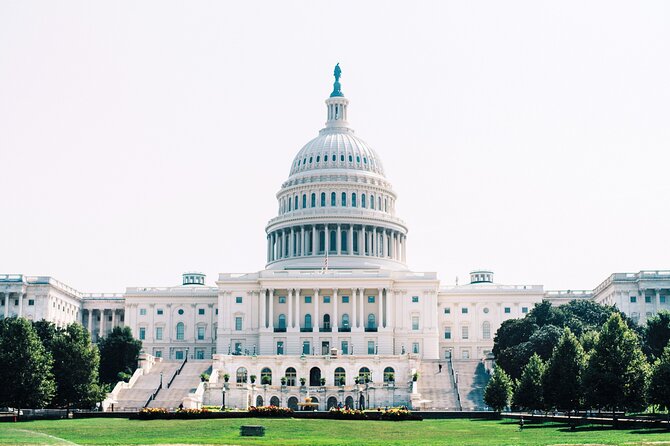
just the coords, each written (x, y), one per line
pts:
(223, 397)
(161, 383)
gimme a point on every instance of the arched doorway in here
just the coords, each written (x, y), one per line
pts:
(315, 376)
(293, 403)
(259, 401)
(274, 401)
(349, 402)
(315, 400)
(290, 376)
(361, 402)
(332, 402)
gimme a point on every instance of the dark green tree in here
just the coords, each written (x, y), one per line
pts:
(46, 331)
(528, 394)
(27, 380)
(617, 374)
(563, 375)
(119, 352)
(659, 384)
(657, 334)
(499, 390)
(75, 367)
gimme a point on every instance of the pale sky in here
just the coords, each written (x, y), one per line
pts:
(139, 140)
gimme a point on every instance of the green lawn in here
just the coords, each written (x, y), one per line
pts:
(308, 432)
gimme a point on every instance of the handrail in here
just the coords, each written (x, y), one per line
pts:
(453, 378)
(177, 372)
(153, 395)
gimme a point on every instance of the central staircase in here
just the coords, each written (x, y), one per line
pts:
(186, 382)
(137, 396)
(437, 387)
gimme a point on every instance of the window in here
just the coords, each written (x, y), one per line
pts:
(447, 310)
(633, 299)
(326, 321)
(345, 347)
(158, 353)
(201, 333)
(447, 332)
(143, 311)
(345, 299)
(308, 321)
(662, 299)
(363, 202)
(415, 348)
(281, 321)
(295, 202)
(354, 201)
(465, 332)
(31, 302)
(524, 310)
(371, 347)
(241, 375)
(465, 354)
(323, 199)
(342, 157)
(266, 376)
(201, 311)
(415, 322)
(291, 376)
(333, 199)
(159, 333)
(464, 310)
(647, 299)
(371, 299)
(313, 200)
(345, 320)
(238, 323)
(372, 201)
(344, 199)
(389, 375)
(326, 299)
(143, 333)
(238, 299)
(486, 330)
(508, 310)
(180, 312)
(415, 299)
(340, 376)
(371, 321)
(304, 201)
(179, 354)
(282, 299)
(308, 299)
(306, 348)
(159, 311)
(280, 347)
(180, 331)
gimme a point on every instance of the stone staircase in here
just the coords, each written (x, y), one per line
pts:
(437, 388)
(184, 383)
(136, 397)
(472, 379)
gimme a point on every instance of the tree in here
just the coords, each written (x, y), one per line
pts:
(75, 367)
(657, 334)
(617, 374)
(659, 385)
(46, 331)
(528, 394)
(27, 380)
(499, 390)
(119, 352)
(563, 375)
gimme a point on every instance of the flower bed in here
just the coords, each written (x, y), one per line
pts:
(346, 414)
(399, 414)
(270, 411)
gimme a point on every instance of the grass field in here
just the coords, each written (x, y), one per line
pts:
(117, 431)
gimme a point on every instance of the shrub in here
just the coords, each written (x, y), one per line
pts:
(270, 411)
(204, 377)
(399, 414)
(252, 378)
(226, 377)
(346, 414)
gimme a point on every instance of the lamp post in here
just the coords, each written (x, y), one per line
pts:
(223, 397)
(161, 383)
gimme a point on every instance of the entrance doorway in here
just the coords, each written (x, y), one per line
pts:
(315, 376)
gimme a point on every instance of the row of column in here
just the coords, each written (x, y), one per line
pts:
(305, 240)
(102, 327)
(358, 320)
(8, 298)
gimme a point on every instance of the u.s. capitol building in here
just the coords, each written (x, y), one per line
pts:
(335, 302)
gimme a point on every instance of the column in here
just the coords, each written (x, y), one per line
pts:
(20, 305)
(404, 248)
(335, 322)
(297, 308)
(361, 305)
(314, 240)
(102, 324)
(374, 241)
(268, 249)
(316, 322)
(271, 318)
(261, 305)
(114, 318)
(327, 237)
(194, 309)
(362, 241)
(380, 323)
(390, 308)
(338, 241)
(7, 305)
(170, 328)
(351, 241)
(290, 310)
(657, 300)
(291, 249)
(303, 251)
(384, 244)
(88, 324)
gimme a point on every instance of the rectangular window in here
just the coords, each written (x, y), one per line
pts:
(371, 347)
(201, 333)
(662, 298)
(282, 299)
(415, 322)
(465, 332)
(345, 347)
(447, 333)
(647, 299)
(633, 299)
(238, 323)
(308, 299)
(159, 333)
(238, 347)
(464, 310)
(143, 311)
(415, 348)
(465, 354)
(238, 299)
(199, 354)
(447, 310)
(326, 299)
(508, 310)
(143, 333)
(201, 311)
(524, 310)
(158, 353)
(31, 302)
(415, 299)
(217, 311)
(345, 299)
(179, 354)
(280, 347)
(306, 348)
(159, 312)
(371, 299)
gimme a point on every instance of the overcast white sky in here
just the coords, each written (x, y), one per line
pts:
(142, 139)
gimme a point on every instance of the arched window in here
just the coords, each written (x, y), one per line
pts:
(308, 320)
(332, 243)
(325, 158)
(274, 401)
(340, 376)
(364, 375)
(266, 376)
(345, 320)
(355, 248)
(322, 241)
(371, 321)
(304, 201)
(333, 199)
(343, 241)
(259, 401)
(486, 330)
(318, 158)
(241, 376)
(363, 202)
(180, 331)
(289, 205)
(344, 199)
(386, 204)
(372, 201)
(313, 200)
(295, 202)
(351, 159)
(290, 376)
(323, 199)
(281, 322)
(326, 321)
(389, 375)
(354, 202)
